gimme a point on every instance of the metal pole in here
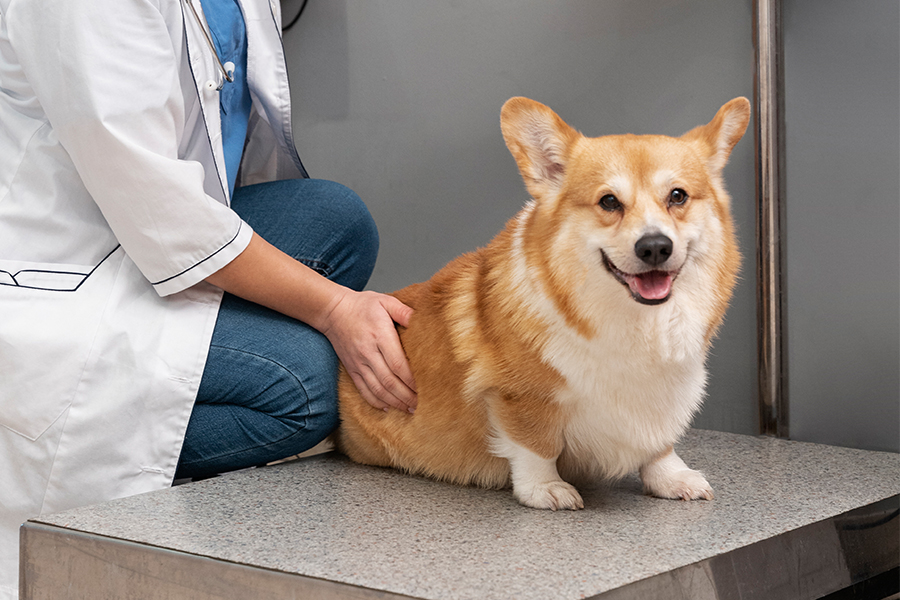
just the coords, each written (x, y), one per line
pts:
(770, 231)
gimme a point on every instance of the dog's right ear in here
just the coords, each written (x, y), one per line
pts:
(539, 141)
(718, 137)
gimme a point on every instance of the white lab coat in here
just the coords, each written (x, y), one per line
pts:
(113, 209)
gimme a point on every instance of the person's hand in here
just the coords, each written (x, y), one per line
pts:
(360, 326)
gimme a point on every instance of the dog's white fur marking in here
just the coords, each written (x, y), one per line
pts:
(535, 480)
(526, 277)
(665, 179)
(669, 477)
(620, 186)
(626, 408)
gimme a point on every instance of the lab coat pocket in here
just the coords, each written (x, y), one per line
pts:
(49, 316)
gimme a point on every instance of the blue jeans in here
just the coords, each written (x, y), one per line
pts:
(269, 389)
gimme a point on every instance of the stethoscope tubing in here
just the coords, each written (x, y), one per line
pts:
(228, 75)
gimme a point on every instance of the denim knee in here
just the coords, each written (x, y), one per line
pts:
(306, 217)
(359, 229)
(309, 391)
(354, 235)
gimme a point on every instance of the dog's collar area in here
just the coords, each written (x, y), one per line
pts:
(650, 288)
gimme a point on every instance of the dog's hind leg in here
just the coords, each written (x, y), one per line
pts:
(350, 439)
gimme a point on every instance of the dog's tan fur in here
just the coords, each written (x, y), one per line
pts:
(531, 357)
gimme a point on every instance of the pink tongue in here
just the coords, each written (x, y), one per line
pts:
(654, 285)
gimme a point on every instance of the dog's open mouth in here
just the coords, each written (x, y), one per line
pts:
(650, 287)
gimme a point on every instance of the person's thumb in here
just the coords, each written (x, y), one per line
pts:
(398, 311)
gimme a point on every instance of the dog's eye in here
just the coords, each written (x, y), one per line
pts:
(610, 203)
(677, 197)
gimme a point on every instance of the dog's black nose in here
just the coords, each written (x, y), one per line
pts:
(654, 249)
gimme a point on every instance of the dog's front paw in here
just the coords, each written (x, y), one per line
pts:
(685, 484)
(554, 495)
(668, 477)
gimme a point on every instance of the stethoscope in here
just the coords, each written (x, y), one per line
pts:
(227, 69)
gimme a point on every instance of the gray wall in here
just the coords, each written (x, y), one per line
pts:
(842, 71)
(400, 101)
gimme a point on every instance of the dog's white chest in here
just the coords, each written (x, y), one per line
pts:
(631, 392)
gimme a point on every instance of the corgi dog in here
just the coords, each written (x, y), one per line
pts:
(572, 346)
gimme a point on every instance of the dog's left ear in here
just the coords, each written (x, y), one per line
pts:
(539, 141)
(718, 137)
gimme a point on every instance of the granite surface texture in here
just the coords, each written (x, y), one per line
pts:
(328, 518)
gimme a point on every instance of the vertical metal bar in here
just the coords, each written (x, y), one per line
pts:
(770, 231)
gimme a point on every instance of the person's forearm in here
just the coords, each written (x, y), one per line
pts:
(359, 325)
(265, 275)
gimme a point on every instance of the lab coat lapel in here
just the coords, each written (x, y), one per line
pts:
(204, 69)
(270, 153)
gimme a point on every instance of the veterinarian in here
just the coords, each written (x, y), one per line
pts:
(147, 164)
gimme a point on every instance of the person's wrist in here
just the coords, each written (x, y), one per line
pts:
(327, 317)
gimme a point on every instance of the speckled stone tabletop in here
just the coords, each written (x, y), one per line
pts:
(328, 518)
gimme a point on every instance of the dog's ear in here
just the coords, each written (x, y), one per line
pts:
(539, 141)
(718, 137)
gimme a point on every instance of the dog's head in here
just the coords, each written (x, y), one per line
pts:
(636, 211)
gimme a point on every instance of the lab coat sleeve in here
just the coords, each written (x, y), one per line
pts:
(109, 76)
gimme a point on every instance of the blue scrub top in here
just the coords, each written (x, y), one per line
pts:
(226, 23)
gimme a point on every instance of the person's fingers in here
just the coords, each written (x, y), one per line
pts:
(381, 388)
(386, 383)
(398, 311)
(394, 391)
(367, 395)
(392, 350)
(396, 362)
